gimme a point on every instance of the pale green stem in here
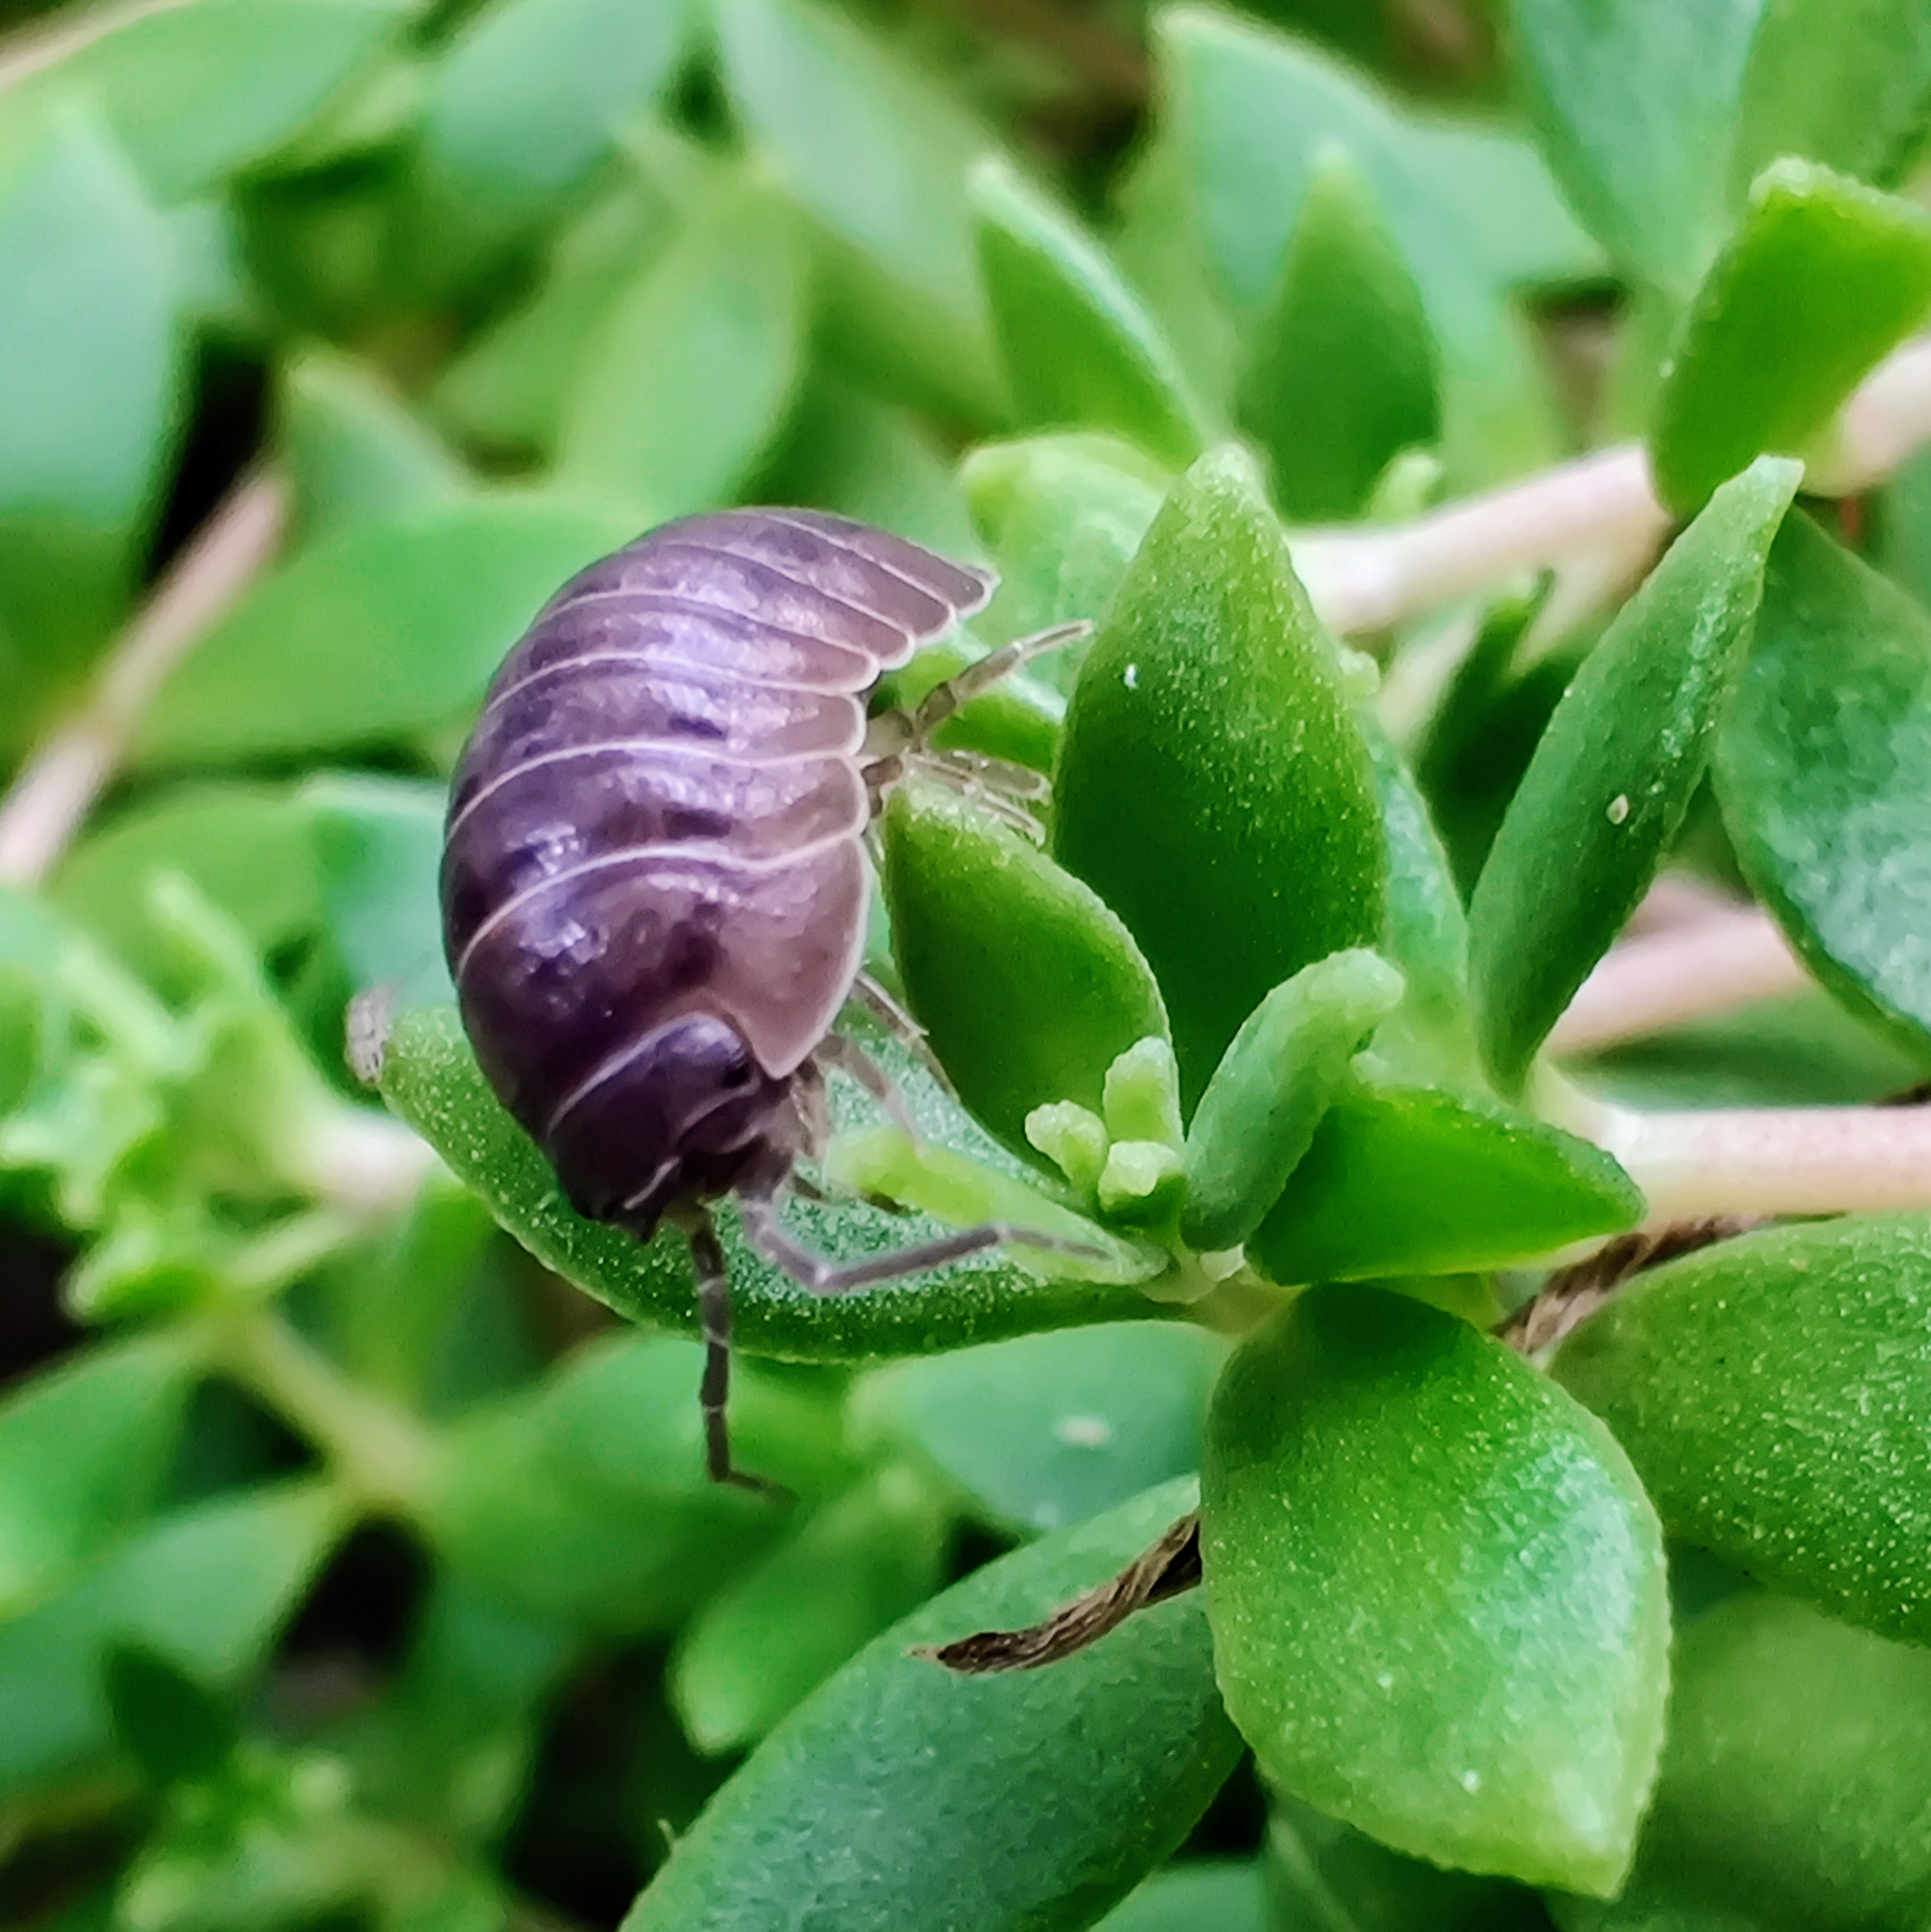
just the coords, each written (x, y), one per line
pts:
(377, 1450)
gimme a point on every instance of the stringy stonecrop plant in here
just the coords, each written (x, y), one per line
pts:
(1534, 1589)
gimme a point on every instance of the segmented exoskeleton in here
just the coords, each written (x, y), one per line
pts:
(654, 885)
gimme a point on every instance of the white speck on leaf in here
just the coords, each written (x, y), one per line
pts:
(1619, 807)
(1130, 677)
(1085, 1432)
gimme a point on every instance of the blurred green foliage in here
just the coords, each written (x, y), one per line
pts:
(358, 1566)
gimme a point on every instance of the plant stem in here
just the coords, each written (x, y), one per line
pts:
(1602, 506)
(1711, 964)
(58, 786)
(1770, 1161)
(377, 1449)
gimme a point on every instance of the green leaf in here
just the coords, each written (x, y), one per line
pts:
(175, 1728)
(378, 846)
(1257, 1117)
(1437, 1590)
(1317, 1867)
(879, 156)
(1823, 769)
(1772, 1391)
(84, 1450)
(244, 845)
(1406, 1180)
(846, 450)
(765, 1642)
(376, 634)
(196, 90)
(507, 389)
(1792, 1790)
(1809, 1051)
(1062, 516)
(1251, 117)
(585, 1500)
(1047, 1430)
(529, 97)
(1079, 348)
(1605, 793)
(1824, 277)
(355, 455)
(1198, 1895)
(90, 380)
(430, 1077)
(207, 1587)
(1848, 85)
(1027, 986)
(1637, 104)
(449, 1742)
(1213, 786)
(686, 384)
(1425, 933)
(944, 1784)
(1341, 376)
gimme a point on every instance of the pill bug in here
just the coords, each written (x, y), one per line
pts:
(654, 887)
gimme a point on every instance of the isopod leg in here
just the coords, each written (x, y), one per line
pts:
(942, 700)
(714, 1317)
(848, 1057)
(818, 1276)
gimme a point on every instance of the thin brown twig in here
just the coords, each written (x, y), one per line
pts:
(1169, 1569)
(54, 791)
(1571, 1294)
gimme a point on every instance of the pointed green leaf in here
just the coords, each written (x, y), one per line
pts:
(207, 1587)
(1027, 986)
(1196, 1895)
(944, 1785)
(1213, 786)
(431, 1078)
(1793, 1782)
(1823, 769)
(1637, 106)
(526, 101)
(508, 387)
(1437, 1590)
(1606, 791)
(1425, 935)
(1316, 1866)
(377, 849)
(196, 90)
(1848, 85)
(84, 1450)
(1062, 516)
(355, 453)
(1250, 116)
(376, 633)
(1824, 277)
(878, 154)
(1774, 1392)
(243, 844)
(1258, 1115)
(90, 375)
(1341, 376)
(172, 1727)
(584, 1501)
(687, 382)
(1046, 1430)
(766, 1641)
(1079, 348)
(1413, 1181)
